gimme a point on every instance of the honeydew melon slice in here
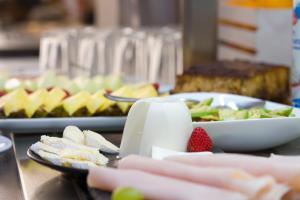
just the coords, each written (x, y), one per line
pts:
(98, 102)
(35, 101)
(14, 101)
(76, 102)
(125, 91)
(145, 91)
(54, 99)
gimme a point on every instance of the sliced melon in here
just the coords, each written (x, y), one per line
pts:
(3, 78)
(30, 85)
(112, 82)
(54, 99)
(35, 101)
(76, 102)
(67, 84)
(125, 91)
(98, 102)
(145, 91)
(47, 80)
(14, 101)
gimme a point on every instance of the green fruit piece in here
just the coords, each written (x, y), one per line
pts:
(257, 113)
(47, 80)
(241, 114)
(210, 118)
(292, 115)
(282, 111)
(112, 82)
(3, 78)
(203, 111)
(227, 114)
(127, 193)
(206, 102)
(31, 85)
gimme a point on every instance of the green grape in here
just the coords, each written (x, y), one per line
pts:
(127, 193)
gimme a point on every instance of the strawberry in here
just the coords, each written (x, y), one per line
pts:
(199, 141)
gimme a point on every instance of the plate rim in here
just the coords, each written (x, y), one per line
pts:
(7, 142)
(63, 169)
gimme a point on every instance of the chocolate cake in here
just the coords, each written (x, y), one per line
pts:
(258, 80)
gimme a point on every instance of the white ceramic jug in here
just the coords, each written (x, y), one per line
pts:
(160, 122)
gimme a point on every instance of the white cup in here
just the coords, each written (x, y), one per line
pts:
(159, 122)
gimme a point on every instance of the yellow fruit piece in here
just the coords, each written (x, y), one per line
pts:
(125, 91)
(35, 101)
(76, 102)
(14, 101)
(54, 99)
(145, 91)
(98, 102)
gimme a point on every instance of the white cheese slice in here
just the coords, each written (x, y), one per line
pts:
(38, 146)
(96, 140)
(79, 155)
(57, 160)
(62, 143)
(74, 134)
(53, 158)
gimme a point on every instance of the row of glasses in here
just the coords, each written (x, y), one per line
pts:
(138, 55)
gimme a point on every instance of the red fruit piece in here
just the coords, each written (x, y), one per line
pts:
(67, 93)
(156, 86)
(199, 141)
(2, 93)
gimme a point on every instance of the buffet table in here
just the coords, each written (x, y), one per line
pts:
(22, 178)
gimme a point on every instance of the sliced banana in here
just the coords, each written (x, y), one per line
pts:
(95, 140)
(74, 134)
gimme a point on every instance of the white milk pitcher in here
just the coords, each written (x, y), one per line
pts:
(159, 122)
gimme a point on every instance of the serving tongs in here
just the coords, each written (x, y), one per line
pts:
(229, 104)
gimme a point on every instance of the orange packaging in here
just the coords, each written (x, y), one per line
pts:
(262, 3)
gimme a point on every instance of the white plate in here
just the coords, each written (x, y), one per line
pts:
(5, 144)
(247, 135)
(45, 125)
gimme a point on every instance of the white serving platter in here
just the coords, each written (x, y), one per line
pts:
(46, 125)
(251, 134)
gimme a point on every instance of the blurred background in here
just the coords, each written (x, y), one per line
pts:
(144, 40)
